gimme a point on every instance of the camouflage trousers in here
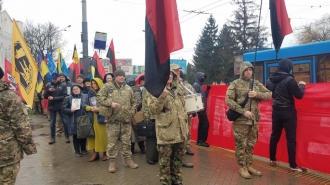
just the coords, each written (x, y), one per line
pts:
(187, 142)
(37, 108)
(9, 173)
(59, 124)
(121, 131)
(245, 138)
(170, 163)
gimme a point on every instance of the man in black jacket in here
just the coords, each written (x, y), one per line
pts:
(285, 88)
(55, 93)
(203, 126)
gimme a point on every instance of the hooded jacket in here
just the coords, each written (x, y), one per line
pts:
(68, 85)
(284, 87)
(15, 130)
(59, 94)
(236, 94)
(199, 89)
(94, 116)
(72, 116)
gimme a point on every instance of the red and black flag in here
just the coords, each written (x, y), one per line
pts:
(111, 56)
(163, 36)
(97, 69)
(280, 22)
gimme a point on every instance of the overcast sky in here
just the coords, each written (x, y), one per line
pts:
(124, 21)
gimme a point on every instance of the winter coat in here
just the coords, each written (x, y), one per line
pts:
(170, 115)
(199, 89)
(72, 116)
(284, 88)
(236, 94)
(59, 94)
(92, 100)
(68, 85)
(15, 130)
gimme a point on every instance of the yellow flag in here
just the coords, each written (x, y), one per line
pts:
(24, 68)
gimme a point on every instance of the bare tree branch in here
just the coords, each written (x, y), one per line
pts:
(316, 31)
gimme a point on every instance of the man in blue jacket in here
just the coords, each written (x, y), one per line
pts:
(203, 126)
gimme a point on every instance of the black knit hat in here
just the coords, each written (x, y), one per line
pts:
(1, 73)
(86, 80)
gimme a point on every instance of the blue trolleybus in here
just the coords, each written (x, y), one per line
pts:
(311, 62)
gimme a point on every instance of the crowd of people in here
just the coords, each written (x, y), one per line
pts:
(123, 99)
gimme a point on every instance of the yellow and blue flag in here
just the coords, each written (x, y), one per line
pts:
(61, 66)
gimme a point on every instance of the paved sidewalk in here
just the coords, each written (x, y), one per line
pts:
(56, 165)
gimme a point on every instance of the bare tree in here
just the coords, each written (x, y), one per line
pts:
(316, 31)
(42, 37)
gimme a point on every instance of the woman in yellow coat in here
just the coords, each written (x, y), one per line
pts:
(99, 142)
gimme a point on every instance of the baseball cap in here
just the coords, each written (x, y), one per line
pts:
(55, 75)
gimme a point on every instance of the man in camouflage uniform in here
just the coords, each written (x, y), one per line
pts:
(171, 131)
(120, 98)
(188, 89)
(37, 103)
(15, 133)
(245, 128)
(137, 90)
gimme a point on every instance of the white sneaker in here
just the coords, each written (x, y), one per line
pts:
(298, 169)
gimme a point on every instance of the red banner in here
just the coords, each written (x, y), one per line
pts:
(9, 78)
(313, 127)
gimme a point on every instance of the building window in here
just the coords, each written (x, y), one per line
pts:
(323, 68)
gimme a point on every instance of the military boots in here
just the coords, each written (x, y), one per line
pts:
(253, 171)
(112, 166)
(129, 163)
(244, 172)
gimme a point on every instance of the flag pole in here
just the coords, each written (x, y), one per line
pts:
(256, 50)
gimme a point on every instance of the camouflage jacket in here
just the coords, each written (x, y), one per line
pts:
(124, 96)
(236, 94)
(171, 117)
(146, 96)
(190, 87)
(138, 97)
(15, 130)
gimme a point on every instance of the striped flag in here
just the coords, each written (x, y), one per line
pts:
(162, 36)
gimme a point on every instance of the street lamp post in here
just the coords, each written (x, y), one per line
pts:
(50, 41)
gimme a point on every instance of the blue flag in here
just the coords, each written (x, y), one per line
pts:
(50, 63)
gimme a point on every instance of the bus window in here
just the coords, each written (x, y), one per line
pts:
(301, 72)
(272, 70)
(323, 68)
(259, 71)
